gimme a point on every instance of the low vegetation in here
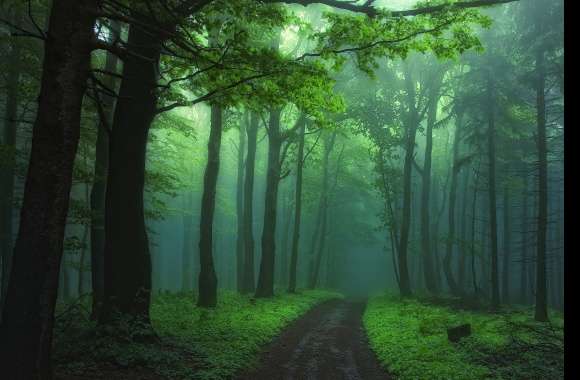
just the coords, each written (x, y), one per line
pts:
(192, 343)
(410, 339)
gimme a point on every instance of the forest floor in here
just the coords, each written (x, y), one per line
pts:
(328, 342)
(192, 343)
(410, 338)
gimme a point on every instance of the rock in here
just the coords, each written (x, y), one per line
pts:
(454, 334)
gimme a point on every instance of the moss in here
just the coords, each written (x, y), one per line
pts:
(410, 339)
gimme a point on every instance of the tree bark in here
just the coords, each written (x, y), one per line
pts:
(207, 276)
(461, 269)
(127, 260)
(412, 124)
(98, 191)
(541, 309)
(248, 223)
(297, 210)
(450, 241)
(265, 287)
(240, 211)
(7, 173)
(505, 294)
(524, 243)
(187, 251)
(28, 315)
(491, 155)
(328, 146)
(428, 271)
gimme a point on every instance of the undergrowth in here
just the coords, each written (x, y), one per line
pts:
(410, 339)
(191, 343)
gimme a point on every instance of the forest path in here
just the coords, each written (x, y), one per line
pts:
(327, 343)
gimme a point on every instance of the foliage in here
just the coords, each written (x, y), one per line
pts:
(194, 343)
(410, 339)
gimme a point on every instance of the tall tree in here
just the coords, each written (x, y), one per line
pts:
(240, 205)
(28, 314)
(265, 287)
(7, 172)
(323, 207)
(428, 270)
(248, 217)
(207, 275)
(297, 209)
(491, 157)
(99, 188)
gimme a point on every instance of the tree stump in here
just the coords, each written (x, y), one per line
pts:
(454, 334)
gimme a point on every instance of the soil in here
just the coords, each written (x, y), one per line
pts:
(327, 343)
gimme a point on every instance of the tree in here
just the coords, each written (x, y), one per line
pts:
(28, 314)
(207, 276)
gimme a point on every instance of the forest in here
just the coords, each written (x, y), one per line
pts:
(281, 189)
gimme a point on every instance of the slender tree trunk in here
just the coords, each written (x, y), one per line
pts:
(524, 243)
(98, 191)
(187, 251)
(450, 243)
(505, 294)
(240, 211)
(265, 287)
(28, 314)
(84, 247)
(495, 299)
(207, 275)
(248, 223)
(412, 124)
(461, 270)
(426, 251)
(7, 169)
(285, 237)
(541, 310)
(127, 261)
(297, 210)
(328, 146)
(473, 219)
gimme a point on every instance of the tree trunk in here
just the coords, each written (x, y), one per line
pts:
(524, 243)
(98, 191)
(505, 294)
(461, 269)
(248, 223)
(127, 261)
(187, 251)
(430, 282)
(265, 286)
(328, 146)
(495, 301)
(450, 242)
(207, 276)
(297, 210)
(541, 310)
(7, 169)
(412, 124)
(473, 219)
(240, 211)
(284, 242)
(28, 315)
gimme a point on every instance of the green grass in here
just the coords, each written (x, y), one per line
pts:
(195, 343)
(410, 339)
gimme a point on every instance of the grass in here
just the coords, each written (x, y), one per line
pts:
(410, 339)
(194, 343)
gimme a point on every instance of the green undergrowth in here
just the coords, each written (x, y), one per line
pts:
(410, 339)
(191, 343)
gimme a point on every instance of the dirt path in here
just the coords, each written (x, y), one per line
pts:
(327, 343)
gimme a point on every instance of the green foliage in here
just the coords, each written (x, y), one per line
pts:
(410, 339)
(193, 343)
